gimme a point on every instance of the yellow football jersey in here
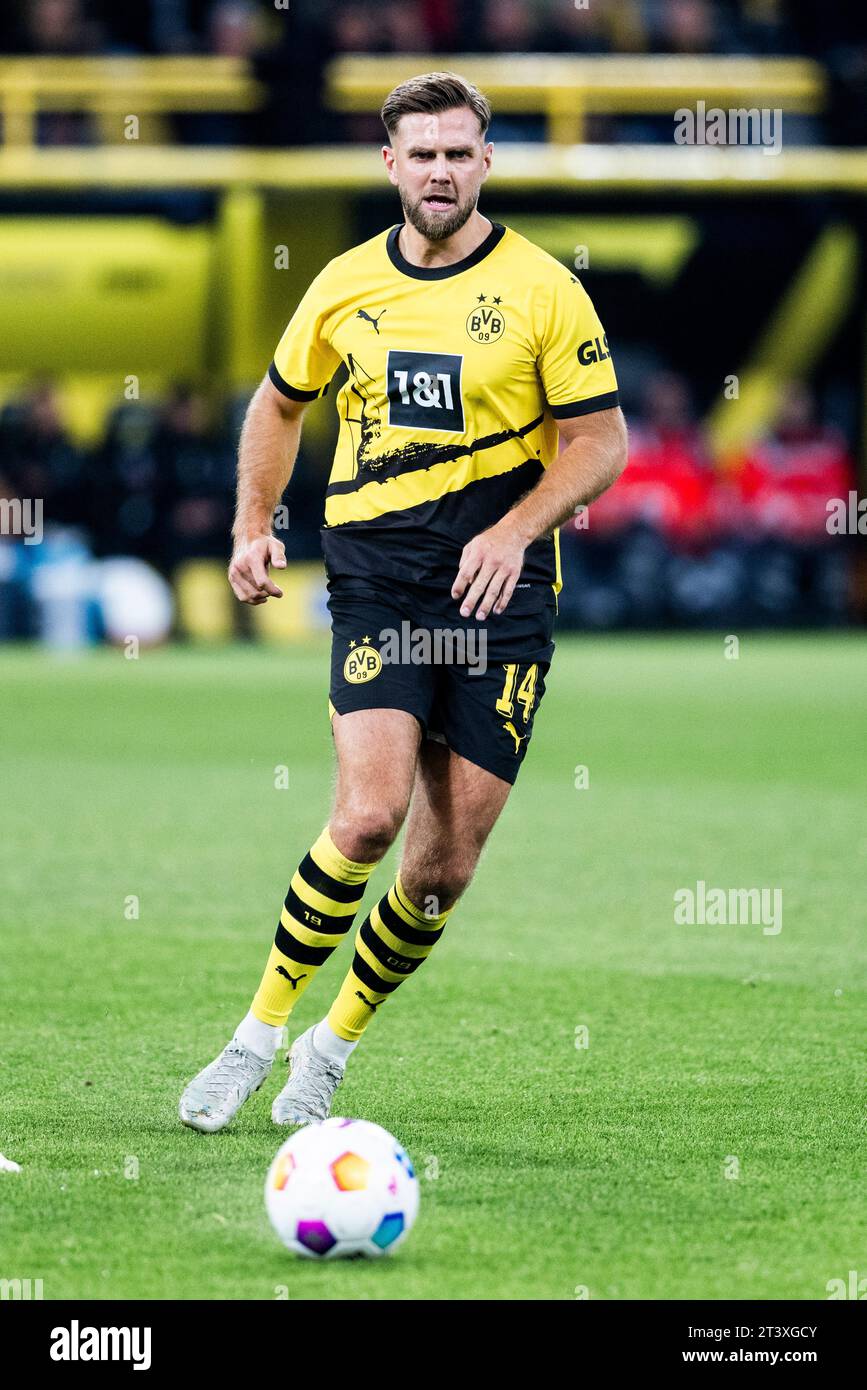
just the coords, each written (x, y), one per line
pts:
(457, 375)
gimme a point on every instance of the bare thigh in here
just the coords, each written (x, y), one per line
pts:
(377, 751)
(455, 805)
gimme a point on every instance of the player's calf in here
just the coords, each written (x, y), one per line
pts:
(395, 938)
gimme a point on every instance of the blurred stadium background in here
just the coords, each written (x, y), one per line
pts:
(172, 175)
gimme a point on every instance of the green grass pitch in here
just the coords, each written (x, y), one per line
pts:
(546, 1168)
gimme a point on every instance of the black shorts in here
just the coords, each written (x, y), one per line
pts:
(474, 686)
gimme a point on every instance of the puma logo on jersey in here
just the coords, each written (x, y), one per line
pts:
(363, 314)
(369, 1002)
(519, 738)
(293, 979)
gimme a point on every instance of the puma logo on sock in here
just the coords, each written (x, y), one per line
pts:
(293, 979)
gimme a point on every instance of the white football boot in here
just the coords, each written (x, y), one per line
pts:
(215, 1096)
(313, 1079)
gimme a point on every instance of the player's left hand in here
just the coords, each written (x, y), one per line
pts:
(490, 568)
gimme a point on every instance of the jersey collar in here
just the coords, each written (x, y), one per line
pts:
(442, 272)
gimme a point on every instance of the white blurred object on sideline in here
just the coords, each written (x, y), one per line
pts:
(135, 601)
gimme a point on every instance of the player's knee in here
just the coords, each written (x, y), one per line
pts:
(366, 833)
(443, 888)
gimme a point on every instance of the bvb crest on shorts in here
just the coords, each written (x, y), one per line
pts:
(363, 663)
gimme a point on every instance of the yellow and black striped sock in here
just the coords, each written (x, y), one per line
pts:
(390, 944)
(320, 907)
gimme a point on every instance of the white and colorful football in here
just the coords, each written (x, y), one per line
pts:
(341, 1188)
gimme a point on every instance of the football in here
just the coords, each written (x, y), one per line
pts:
(342, 1188)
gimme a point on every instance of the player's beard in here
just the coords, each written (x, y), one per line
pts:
(437, 227)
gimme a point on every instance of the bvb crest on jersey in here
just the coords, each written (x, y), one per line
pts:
(363, 663)
(485, 323)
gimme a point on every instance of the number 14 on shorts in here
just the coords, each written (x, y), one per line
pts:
(525, 695)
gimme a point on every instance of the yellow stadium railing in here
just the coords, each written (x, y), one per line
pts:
(568, 89)
(520, 167)
(565, 89)
(112, 89)
(324, 180)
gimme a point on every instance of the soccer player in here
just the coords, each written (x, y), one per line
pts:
(472, 354)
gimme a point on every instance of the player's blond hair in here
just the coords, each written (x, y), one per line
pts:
(433, 92)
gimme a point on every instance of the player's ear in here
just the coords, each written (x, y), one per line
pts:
(388, 159)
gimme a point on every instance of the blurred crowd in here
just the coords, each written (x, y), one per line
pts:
(288, 45)
(676, 542)
(680, 540)
(160, 485)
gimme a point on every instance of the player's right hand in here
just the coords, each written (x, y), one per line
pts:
(248, 571)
